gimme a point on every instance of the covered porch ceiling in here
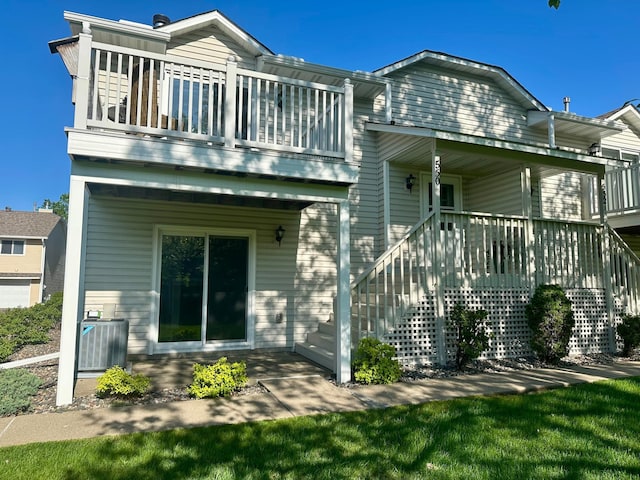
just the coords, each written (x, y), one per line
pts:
(164, 195)
(472, 157)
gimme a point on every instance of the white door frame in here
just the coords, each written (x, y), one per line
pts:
(201, 346)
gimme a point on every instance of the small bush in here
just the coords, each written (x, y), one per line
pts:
(116, 382)
(629, 331)
(218, 380)
(17, 386)
(374, 363)
(471, 334)
(551, 321)
(26, 326)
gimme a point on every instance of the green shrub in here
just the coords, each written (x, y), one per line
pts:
(471, 334)
(116, 382)
(218, 380)
(27, 326)
(17, 386)
(550, 318)
(374, 363)
(629, 331)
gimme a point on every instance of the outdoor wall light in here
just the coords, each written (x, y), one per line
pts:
(594, 150)
(279, 234)
(411, 181)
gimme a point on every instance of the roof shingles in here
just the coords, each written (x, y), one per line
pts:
(27, 224)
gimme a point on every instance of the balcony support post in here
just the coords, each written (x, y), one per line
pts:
(343, 310)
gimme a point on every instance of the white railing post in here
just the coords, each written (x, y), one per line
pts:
(230, 103)
(348, 121)
(83, 78)
(606, 255)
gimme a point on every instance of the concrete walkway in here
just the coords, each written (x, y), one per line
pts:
(290, 397)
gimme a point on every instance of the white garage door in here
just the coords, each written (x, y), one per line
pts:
(14, 293)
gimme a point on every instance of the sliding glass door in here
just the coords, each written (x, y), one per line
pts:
(204, 284)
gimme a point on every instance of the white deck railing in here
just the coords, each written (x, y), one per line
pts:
(623, 191)
(142, 92)
(482, 251)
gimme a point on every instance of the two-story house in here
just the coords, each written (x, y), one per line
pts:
(32, 254)
(226, 197)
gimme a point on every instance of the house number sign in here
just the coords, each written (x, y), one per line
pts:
(436, 179)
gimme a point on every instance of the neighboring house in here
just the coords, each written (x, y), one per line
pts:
(32, 255)
(225, 197)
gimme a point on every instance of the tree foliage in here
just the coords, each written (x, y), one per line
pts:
(554, 3)
(60, 207)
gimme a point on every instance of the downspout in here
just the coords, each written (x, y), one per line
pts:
(42, 267)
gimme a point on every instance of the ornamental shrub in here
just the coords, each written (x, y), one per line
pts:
(629, 331)
(374, 362)
(471, 334)
(550, 318)
(26, 326)
(218, 380)
(17, 386)
(116, 382)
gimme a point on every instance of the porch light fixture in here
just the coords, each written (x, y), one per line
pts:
(279, 234)
(411, 180)
(594, 150)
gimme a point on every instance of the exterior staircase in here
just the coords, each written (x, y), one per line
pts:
(320, 346)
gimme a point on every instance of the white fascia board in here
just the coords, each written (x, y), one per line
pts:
(628, 115)
(22, 237)
(127, 28)
(497, 73)
(180, 27)
(493, 143)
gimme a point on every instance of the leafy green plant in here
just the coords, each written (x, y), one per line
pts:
(472, 338)
(629, 331)
(218, 380)
(17, 386)
(26, 326)
(374, 362)
(550, 318)
(116, 382)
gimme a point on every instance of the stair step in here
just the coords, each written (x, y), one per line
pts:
(317, 354)
(324, 340)
(328, 328)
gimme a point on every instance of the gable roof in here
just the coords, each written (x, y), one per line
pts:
(27, 224)
(217, 18)
(628, 113)
(497, 74)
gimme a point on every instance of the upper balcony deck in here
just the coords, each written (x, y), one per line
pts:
(134, 105)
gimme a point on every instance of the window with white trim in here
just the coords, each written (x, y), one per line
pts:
(12, 247)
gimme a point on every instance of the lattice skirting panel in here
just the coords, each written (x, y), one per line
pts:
(416, 336)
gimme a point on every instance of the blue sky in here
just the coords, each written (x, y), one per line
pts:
(587, 50)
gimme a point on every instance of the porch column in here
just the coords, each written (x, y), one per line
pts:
(437, 259)
(348, 121)
(343, 303)
(73, 289)
(527, 211)
(606, 255)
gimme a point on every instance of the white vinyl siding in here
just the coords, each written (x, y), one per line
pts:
(210, 45)
(120, 255)
(561, 196)
(501, 193)
(429, 96)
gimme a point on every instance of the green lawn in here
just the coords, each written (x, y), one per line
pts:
(583, 432)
